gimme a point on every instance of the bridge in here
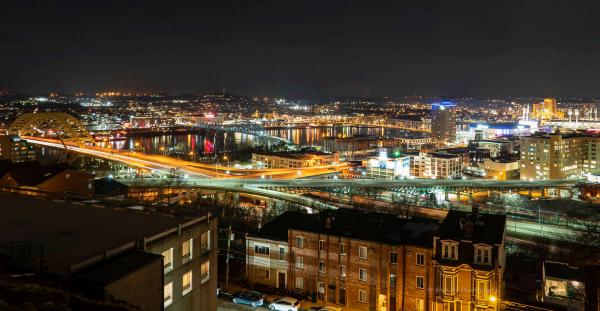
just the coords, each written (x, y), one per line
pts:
(378, 121)
(52, 124)
(251, 128)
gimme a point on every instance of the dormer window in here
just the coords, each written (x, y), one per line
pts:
(450, 250)
(483, 254)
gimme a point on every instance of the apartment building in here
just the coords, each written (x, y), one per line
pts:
(17, 150)
(134, 259)
(356, 147)
(469, 261)
(559, 155)
(436, 165)
(294, 159)
(365, 260)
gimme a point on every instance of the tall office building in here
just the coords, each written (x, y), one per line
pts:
(443, 123)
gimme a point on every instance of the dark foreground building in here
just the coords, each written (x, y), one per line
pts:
(135, 259)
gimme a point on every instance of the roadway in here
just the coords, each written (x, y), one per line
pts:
(169, 165)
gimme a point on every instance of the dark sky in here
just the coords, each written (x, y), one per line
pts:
(303, 48)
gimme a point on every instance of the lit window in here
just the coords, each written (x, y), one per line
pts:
(362, 252)
(186, 250)
(362, 274)
(168, 294)
(420, 282)
(299, 282)
(300, 242)
(420, 259)
(362, 296)
(393, 257)
(204, 271)
(420, 304)
(342, 270)
(299, 262)
(186, 281)
(482, 290)
(168, 260)
(205, 241)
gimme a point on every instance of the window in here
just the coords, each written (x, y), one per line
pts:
(393, 280)
(267, 274)
(299, 282)
(482, 290)
(321, 266)
(420, 304)
(186, 281)
(420, 259)
(362, 296)
(168, 294)
(420, 282)
(452, 305)
(483, 255)
(186, 250)
(342, 249)
(205, 241)
(450, 284)
(300, 242)
(204, 271)
(299, 262)
(393, 258)
(362, 274)
(168, 260)
(261, 249)
(362, 252)
(321, 245)
(342, 270)
(450, 250)
(281, 253)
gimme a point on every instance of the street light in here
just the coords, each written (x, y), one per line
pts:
(162, 148)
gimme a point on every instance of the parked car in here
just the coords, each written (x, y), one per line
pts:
(284, 304)
(326, 308)
(248, 298)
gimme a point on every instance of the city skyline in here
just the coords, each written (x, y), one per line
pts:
(288, 49)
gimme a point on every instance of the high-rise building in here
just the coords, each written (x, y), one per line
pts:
(435, 165)
(559, 155)
(443, 123)
(14, 148)
(546, 110)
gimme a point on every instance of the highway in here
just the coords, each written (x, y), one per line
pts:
(169, 165)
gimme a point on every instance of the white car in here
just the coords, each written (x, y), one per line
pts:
(284, 304)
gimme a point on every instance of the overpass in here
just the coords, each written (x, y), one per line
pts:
(172, 166)
(378, 121)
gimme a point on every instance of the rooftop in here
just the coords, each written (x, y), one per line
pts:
(487, 228)
(73, 233)
(562, 271)
(356, 224)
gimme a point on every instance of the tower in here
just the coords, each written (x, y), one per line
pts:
(443, 123)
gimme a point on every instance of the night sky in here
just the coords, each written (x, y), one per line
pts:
(303, 48)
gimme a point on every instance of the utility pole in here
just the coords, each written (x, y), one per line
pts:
(227, 259)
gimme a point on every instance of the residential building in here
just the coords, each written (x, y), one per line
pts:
(469, 261)
(563, 285)
(294, 159)
(559, 155)
(17, 150)
(443, 123)
(435, 165)
(137, 259)
(365, 260)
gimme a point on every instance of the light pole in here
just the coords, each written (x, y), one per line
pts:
(226, 158)
(162, 148)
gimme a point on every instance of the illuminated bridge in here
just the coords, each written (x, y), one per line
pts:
(379, 121)
(60, 125)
